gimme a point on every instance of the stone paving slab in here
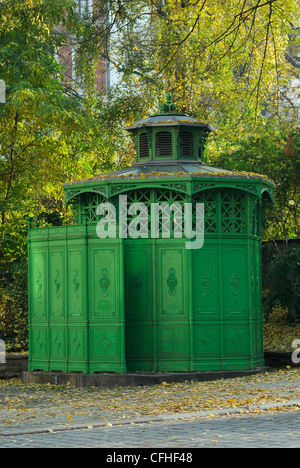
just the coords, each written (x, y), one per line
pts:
(264, 430)
(40, 410)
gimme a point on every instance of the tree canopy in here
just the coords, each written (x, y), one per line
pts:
(228, 62)
(225, 60)
(48, 136)
(231, 63)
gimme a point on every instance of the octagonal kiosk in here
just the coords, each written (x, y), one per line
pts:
(119, 291)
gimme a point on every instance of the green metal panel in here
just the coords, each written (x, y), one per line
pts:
(57, 285)
(157, 325)
(140, 306)
(77, 322)
(106, 345)
(150, 304)
(173, 331)
(57, 308)
(77, 302)
(106, 306)
(171, 282)
(206, 283)
(78, 355)
(236, 307)
(257, 283)
(257, 317)
(104, 281)
(236, 338)
(38, 292)
(39, 347)
(234, 282)
(257, 334)
(207, 310)
(38, 311)
(76, 284)
(208, 345)
(58, 348)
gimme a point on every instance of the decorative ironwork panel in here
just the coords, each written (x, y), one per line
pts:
(170, 197)
(149, 196)
(142, 197)
(233, 212)
(210, 200)
(89, 203)
(224, 211)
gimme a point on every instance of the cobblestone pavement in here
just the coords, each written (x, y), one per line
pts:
(264, 430)
(227, 413)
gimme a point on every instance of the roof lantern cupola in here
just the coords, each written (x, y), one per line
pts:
(170, 136)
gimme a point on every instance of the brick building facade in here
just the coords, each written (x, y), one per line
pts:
(67, 53)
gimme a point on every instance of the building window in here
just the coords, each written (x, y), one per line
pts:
(84, 7)
(163, 144)
(186, 145)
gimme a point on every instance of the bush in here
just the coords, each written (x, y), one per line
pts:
(284, 283)
(279, 335)
(14, 311)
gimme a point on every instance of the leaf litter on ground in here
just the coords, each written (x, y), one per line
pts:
(279, 333)
(21, 402)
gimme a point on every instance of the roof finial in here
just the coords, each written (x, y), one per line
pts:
(169, 99)
(168, 107)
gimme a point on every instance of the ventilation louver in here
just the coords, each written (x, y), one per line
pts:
(186, 145)
(144, 147)
(163, 144)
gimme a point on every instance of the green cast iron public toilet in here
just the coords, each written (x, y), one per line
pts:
(151, 304)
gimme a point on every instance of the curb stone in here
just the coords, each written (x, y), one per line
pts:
(154, 419)
(132, 379)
